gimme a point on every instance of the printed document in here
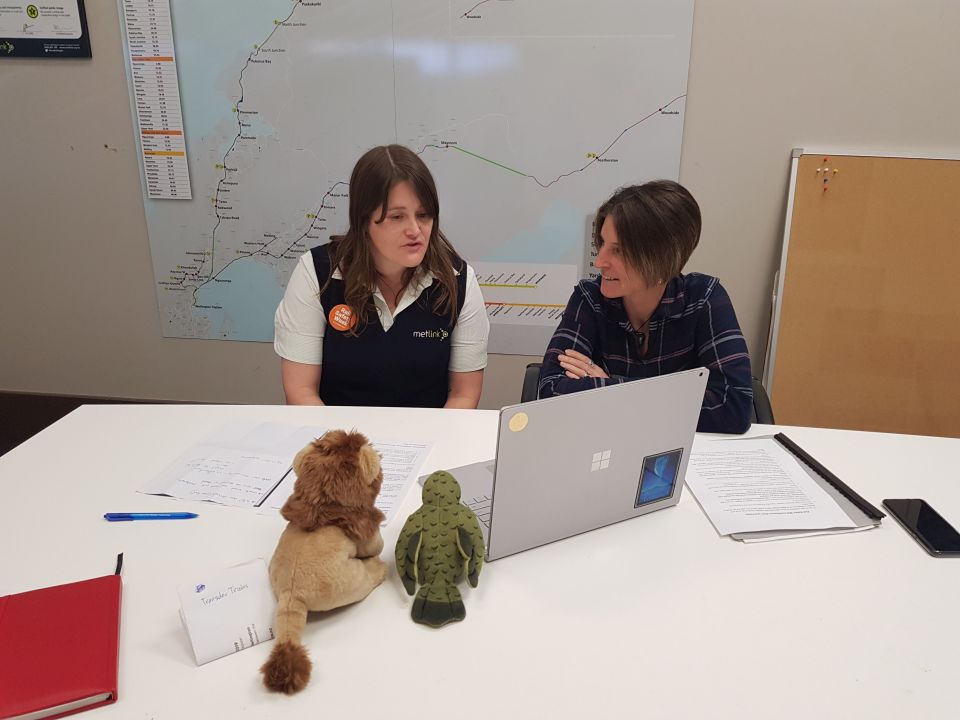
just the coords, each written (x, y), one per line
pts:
(756, 485)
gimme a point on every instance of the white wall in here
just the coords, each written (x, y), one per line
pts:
(78, 313)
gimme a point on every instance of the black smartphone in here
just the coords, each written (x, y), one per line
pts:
(938, 537)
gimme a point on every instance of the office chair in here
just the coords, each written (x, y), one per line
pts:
(530, 377)
(762, 411)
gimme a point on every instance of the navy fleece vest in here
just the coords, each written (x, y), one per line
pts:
(406, 366)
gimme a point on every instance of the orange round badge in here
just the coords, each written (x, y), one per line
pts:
(342, 317)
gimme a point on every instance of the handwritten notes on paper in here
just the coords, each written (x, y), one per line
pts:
(247, 464)
(756, 485)
(229, 477)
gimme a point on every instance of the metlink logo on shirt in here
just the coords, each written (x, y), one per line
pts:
(439, 334)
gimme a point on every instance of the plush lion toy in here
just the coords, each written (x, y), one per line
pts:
(328, 555)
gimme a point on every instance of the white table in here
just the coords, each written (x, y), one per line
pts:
(650, 618)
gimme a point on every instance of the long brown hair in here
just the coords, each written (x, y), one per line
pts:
(372, 179)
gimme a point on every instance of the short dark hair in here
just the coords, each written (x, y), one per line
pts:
(657, 224)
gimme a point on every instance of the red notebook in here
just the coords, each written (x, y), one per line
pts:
(58, 648)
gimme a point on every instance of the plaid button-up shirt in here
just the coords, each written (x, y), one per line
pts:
(693, 326)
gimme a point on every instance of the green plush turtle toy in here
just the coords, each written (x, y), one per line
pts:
(439, 544)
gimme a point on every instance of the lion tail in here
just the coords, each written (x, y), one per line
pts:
(287, 670)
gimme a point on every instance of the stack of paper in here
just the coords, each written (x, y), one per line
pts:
(755, 490)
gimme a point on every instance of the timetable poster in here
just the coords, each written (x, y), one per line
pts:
(44, 29)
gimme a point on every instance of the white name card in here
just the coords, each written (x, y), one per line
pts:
(229, 610)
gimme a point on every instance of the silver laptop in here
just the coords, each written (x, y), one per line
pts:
(573, 463)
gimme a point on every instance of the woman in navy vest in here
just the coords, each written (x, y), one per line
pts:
(386, 314)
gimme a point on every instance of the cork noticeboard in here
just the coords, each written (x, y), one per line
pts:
(867, 321)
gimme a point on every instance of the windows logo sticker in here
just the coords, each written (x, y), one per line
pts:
(601, 461)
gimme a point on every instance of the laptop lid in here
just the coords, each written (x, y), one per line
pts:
(572, 463)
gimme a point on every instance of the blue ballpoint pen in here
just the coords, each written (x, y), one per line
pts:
(115, 517)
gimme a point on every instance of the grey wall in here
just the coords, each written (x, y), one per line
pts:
(78, 313)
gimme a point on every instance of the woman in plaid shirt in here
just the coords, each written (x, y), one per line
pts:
(642, 317)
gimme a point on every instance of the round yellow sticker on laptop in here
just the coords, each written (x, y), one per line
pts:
(518, 422)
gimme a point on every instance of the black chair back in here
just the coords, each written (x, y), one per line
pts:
(530, 378)
(762, 410)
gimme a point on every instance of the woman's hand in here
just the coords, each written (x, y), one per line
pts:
(577, 365)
